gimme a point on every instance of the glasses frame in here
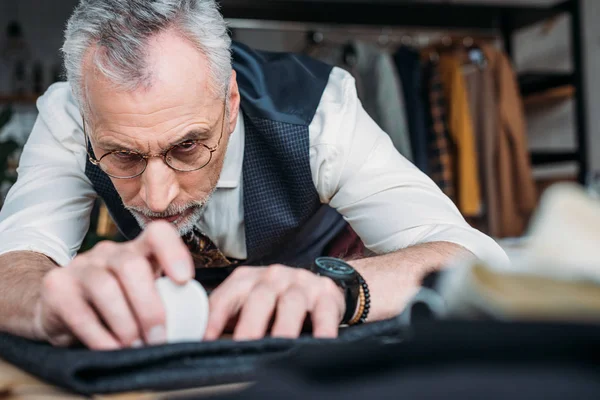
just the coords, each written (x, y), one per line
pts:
(163, 154)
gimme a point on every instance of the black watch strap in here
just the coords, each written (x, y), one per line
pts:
(351, 303)
(344, 277)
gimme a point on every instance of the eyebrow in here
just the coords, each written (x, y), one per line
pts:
(195, 134)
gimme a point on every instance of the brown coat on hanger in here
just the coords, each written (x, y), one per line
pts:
(516, 187)
(482, 101)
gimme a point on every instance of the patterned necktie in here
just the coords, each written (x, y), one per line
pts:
(204, 252)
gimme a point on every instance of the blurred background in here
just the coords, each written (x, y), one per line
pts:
(494, 100)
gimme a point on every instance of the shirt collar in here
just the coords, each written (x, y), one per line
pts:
(234, 157)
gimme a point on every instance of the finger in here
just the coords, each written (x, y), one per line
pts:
(226, 300)
(83, 321)
(136, 277)
(325, 318)
(291, 312)
(102, 289)
(162, 241)
(158, 272)
(104, 248)
(256, 313)
(64, 300)
(88, 328)
(63, 340)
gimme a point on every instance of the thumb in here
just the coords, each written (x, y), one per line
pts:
(163, 245)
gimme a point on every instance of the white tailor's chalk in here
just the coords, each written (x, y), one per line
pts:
(186, 309)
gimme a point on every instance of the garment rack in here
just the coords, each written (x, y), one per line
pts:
(357, 29)
(384, 35)
(404, 15)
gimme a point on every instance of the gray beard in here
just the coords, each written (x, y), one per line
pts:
(183, 227)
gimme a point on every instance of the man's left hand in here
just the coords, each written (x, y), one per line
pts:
(259, 294)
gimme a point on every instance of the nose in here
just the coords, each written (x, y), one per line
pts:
(159, 185)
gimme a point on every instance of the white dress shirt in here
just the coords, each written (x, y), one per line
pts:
(354, 165)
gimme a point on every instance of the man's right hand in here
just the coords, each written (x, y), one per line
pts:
(106, 298)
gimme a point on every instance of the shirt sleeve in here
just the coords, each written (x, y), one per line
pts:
(389, 202)
(48, 208)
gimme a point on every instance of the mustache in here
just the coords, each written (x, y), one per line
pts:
(172, 209)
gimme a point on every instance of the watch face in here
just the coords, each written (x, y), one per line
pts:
(334, 265)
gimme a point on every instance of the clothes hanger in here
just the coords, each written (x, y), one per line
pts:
(384, 38)
(313, 39)
(350, 55)
(471, 44)
(433, 50)
(475, 54)
(407, 40)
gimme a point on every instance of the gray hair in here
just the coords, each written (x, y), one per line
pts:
(121, 29)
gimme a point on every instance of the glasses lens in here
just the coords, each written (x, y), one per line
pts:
(123, 164)
(188, 156)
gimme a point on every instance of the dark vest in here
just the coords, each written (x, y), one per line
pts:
(284, 219)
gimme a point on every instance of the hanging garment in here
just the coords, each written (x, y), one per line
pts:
(408, 64)
(482, 102)
(440, 146)
(460, 125)
(378, 86)
(339, 56)
(516, 188)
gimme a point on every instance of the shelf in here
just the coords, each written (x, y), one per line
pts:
(564, 171)
(549, 97)
(538, 82)
(391, 13)
(550, 157)
(531, 16)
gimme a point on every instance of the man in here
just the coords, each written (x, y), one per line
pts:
(269, 160)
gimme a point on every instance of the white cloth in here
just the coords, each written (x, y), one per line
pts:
(355, 169)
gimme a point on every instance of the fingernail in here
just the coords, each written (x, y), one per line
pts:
(157, 335)
(137, 344)
(181, 271)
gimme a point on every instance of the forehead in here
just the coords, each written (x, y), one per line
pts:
(180, 84)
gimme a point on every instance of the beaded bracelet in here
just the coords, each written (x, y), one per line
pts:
(364, 303)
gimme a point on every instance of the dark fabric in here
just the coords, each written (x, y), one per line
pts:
(309, 241)
(408, 63)
(284, 219)
(281, 87)
(169, 367)
(444, 360)
(279, 194)
(346, 245)
(377, 85)
(439, 141)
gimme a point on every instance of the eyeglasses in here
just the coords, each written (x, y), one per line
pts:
(187, 156)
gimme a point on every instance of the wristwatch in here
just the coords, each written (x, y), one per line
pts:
(346, 277)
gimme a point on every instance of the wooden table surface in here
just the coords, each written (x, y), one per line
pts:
(17, 384)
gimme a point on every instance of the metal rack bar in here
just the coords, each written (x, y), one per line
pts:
(507, 29)
(551, 157)
(355, 29)
(579, 83)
